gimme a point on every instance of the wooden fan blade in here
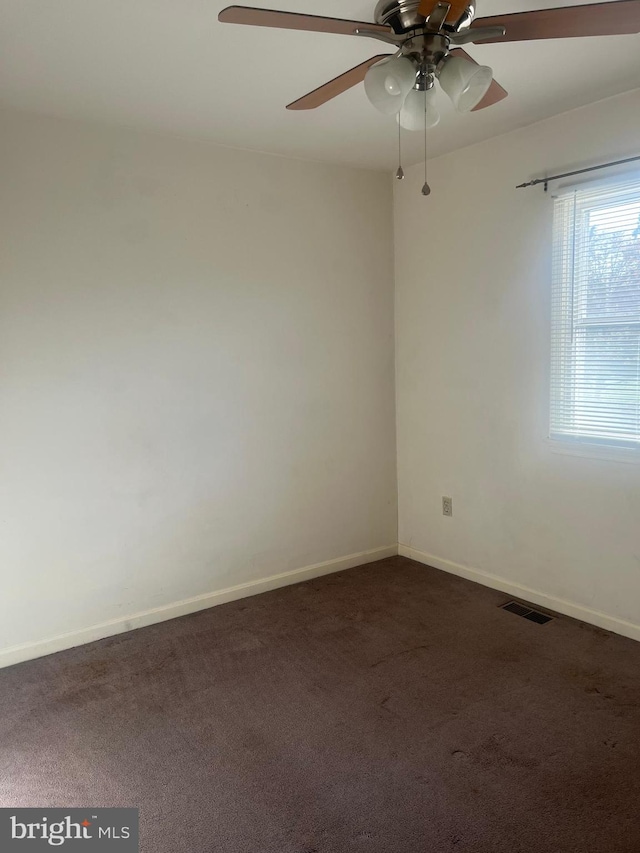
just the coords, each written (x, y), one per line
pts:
(458, 8)
(336, 86)
(296, 21)
(597, 19)
(496, 91)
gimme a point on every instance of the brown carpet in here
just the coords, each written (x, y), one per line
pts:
(388, 709)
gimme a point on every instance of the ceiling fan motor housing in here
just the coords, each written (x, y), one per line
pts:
(402, 15)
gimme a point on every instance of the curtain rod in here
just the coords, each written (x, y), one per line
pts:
(546, 181)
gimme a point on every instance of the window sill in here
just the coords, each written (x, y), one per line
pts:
(594, 451)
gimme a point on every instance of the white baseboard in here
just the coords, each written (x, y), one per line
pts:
(559, 605)
(29, 651)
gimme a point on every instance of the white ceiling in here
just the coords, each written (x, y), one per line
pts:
(169, 65)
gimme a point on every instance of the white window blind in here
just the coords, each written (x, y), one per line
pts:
(595, 363)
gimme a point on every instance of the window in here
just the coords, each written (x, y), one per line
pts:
(595, 363)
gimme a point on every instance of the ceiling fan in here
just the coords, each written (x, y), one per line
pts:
(428, 36)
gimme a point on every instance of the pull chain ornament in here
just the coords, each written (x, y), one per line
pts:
(400, 172)
(426, 189)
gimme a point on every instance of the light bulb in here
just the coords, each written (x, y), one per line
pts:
(465, 82)
(388, 83)
(392, 86)
(411, 116)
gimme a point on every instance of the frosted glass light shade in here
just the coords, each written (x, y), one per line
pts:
(411, 116)
(389, 82)
(465, 82)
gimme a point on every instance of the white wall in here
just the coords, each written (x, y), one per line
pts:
(196, 386)
(472, 327)
(197, 378)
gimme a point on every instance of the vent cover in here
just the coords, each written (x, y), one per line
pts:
(527, 612)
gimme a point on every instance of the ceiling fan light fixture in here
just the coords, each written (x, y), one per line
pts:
(388, 83)
(412, 114)
(465, 82)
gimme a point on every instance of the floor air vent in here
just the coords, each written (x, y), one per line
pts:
(527, 612)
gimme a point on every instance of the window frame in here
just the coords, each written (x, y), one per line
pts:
(563, 326)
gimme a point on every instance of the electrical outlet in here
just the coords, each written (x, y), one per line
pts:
(447, 507)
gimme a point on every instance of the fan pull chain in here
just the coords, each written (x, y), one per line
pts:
(400, 172)
(426, 189)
